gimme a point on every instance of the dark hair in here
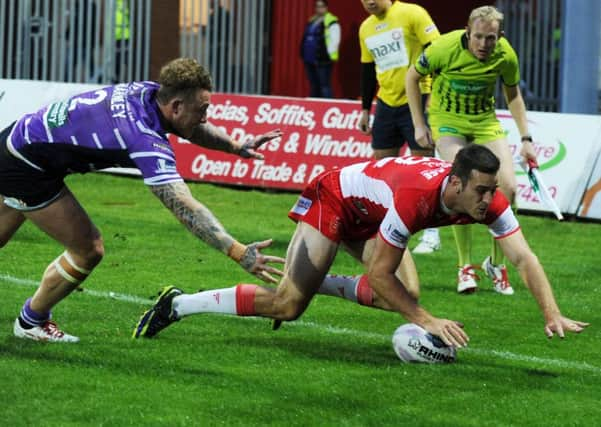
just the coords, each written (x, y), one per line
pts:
(182, 77)
(325, 2)
(474, 157)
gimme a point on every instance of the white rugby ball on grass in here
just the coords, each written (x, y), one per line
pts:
(412, 343)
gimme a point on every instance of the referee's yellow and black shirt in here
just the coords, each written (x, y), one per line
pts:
(394, 42)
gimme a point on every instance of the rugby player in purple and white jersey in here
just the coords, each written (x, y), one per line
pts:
(124, 125)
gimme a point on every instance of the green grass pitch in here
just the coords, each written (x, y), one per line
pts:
(333, 367)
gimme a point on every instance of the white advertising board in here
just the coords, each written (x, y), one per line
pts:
(567, 146)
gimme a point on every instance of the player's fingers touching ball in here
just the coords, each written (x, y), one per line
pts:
(412, 343)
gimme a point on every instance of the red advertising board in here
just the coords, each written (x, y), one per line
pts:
(318, 135)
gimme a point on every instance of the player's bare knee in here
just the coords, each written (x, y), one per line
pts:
(98, 250)
(91, 256)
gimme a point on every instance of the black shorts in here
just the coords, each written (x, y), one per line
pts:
(22, 186)
(393, 127)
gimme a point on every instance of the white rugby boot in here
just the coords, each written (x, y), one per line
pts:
(48, 332)
(466, 279)
(498, 275)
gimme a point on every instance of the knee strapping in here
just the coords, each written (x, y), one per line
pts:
(70, 271)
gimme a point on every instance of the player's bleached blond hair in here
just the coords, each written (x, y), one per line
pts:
(486, 13)
(182, 77)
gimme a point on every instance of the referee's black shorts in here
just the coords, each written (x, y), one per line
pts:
(393, 127)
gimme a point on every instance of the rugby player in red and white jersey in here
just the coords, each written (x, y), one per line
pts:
(372, 209)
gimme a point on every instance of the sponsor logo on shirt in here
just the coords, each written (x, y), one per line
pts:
(165, 166)
(396, 236)
(302, 206)
(468, 86)
(57, 114)
(388, 50)
(383, 50)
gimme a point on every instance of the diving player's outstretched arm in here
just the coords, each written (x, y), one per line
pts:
(210, 136)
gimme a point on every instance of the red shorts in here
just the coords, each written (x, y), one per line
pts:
(322, 206)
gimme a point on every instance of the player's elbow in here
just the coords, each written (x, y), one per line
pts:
(525, 260)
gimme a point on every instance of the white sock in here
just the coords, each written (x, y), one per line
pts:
(340, 286)
(213, 301)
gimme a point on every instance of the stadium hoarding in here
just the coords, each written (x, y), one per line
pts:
(320, 134)
(567, 146)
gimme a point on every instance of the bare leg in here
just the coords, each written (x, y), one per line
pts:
(10, 221)
(507, 181)
(67, 223)
(308, 260)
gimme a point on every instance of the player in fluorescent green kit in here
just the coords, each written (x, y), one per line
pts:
(466, 65)
(391, 39)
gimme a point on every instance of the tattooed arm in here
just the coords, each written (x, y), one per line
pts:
(201, 222)
(210, 136)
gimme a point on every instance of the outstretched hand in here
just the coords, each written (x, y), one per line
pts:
(561, 324)
(449, 331)
(248, 149)
(256, 263)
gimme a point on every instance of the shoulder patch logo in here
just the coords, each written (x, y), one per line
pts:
(423, 61)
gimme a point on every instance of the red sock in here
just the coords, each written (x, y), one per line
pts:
(245, 300)
(365, 295)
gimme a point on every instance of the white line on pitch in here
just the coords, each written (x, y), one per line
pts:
(583, 366)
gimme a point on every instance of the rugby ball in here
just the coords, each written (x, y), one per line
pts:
(412, 343)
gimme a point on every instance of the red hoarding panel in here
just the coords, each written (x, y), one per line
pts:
(318, 135)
